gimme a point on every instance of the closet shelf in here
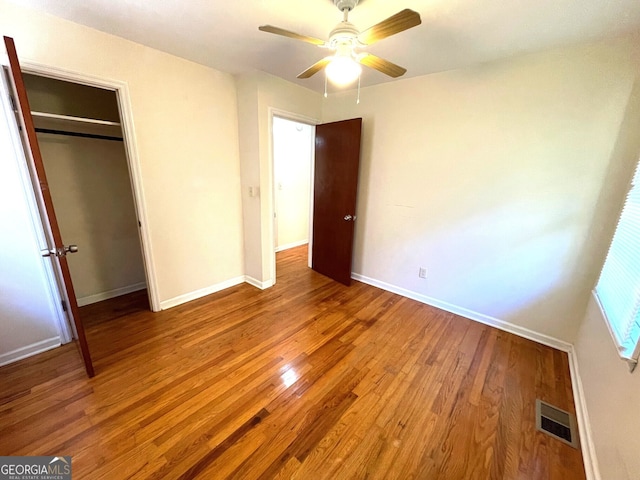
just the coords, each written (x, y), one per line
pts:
(92, 121)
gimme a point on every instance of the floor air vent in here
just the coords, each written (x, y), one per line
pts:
(557, 423)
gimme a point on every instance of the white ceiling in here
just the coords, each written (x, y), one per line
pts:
(224, 34)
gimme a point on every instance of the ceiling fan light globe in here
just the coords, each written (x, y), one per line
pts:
(343, 71)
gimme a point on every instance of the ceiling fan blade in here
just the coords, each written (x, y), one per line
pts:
(315, 68)
(382, 65)
(397, 23)
(287, 33)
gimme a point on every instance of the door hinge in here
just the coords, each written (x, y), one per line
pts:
(64, 305)
(16, 113)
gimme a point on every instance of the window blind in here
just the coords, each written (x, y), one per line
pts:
(618, 288)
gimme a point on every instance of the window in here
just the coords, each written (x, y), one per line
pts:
(618, 288)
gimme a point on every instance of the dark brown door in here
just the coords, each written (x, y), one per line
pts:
(57, 250)
(334, 197)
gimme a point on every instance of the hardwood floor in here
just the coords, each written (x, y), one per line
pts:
(309, 380)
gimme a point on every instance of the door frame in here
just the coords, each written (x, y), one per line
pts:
(312, 122)
(121, 90)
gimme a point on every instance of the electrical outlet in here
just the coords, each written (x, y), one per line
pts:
(422, 273)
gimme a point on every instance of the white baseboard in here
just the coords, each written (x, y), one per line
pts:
(291, 245)
(98, 297)
(187, 297)
(584, 425)
(470, 314)
(29, 350)
(257, 283)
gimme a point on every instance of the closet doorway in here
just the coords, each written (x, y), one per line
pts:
(85, 158)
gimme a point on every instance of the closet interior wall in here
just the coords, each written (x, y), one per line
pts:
(88, 177)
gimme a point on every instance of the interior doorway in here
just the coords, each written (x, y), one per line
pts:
(85, 158)
(292, 157)
(334, 152)
(292, 140)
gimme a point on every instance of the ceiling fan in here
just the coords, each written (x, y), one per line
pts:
(343, 67)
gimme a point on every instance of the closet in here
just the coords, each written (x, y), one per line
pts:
(83, 151)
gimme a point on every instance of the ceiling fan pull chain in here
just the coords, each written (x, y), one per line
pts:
(358, 99)
(325, 84)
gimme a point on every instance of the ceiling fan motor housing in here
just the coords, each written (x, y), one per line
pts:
(344, 33)
(345, 4)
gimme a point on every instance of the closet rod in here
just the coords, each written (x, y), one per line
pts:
(74, 119)
(77, 134)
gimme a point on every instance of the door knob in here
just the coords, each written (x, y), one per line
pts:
(348, 217)
(59, 252)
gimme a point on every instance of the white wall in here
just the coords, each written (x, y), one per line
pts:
(91, 191)
(489, 178)
(610, 391)
(293, 145)
(258, 94)
(611, 394)
(28, 318)
(249, 148)
(186, 128)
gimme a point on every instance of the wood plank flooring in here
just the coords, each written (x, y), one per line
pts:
(308, 380)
